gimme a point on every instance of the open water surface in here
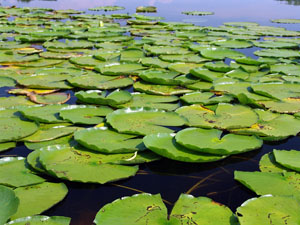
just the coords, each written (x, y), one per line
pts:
(171, 178)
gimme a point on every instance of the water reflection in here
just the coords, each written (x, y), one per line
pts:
(290, 2)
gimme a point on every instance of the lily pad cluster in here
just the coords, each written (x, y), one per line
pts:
(93, 103)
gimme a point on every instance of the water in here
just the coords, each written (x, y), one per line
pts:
(170, 178)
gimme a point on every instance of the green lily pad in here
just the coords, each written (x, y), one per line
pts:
(225, 116)
(41, 63)
(218, 66)
(9, 57)
(107, 140)
(144, 121)
(166, 50)
(8, 203)
(277, 53)
(286, 21)
(82, 166)
(269, 210)
(233, 43)
(68, 44)
(160, 77)
(153, 101)
(288, 69)
(107, 56)
(268, 163)
(237, 74)
(197, 13)
(288, 159)
(85, 61)
(220, 53)
(131, 55)
(205, 98)
(15, 172)
(206, 74)
(54, 98)
(118, 69)
(276, 184)
(82, 114)
(160, 89)
(7, 145)
(48, 132)
(278, 91)
(164, 144)
(146, 208)
(107, 8)
(272, 126)
(274, 44)
(44, 220)
(183, 68)
(44, 114)
(188, 58)
(12, 129)
(154, 63)
(7, 82)
(150, 9)
(100, 82)
(212, 142)
(98, 97)
(36, 199)
(290, 105)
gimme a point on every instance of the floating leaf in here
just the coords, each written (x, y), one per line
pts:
(38, 198)
(7, 145)
(218, 66)
(104, 97)
(212, 142)
(277, 53)
(164, 144)
(277, 91)
(269, 210)
(82, 166)
(206, 74)
(118, 69)
(146, 9)
(197, 13)
(183, 68)
(233, 43)
(160, 89)
(205, 98)
(15, 173)
(160, 77)
(273, 44)
(82, 114)
(144, 121)
(220, 53)
(12, 129)
(44, 114)
(108, 141)
(107, 8)
(225, 116)
(8, 203)
(268, 163)
(38, 220)
(147, 208)
(286, 21)
(55, 98)
(188, 58)
(288, 159)
(154, 62)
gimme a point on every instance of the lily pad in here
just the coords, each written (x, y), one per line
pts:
(147, 208)
(218, 66)
(82, 166)
(233, 43)
(106, 140)
(274, 44)
(166, 50)
(154, 63)
(36, 199)
(206, 74)
(212, 142)
(160, 89)
(153, 101)
(188, 58)
(288, 159)
(277, 91)
(183, 68)
(98, 97)
(205, 98)
(44, 114)
(143, 120)
(268, 163)
(225, 116)
(197, 13)
(269, 210)
(277, 53)
(55, 98)
(12, 129)
(8, 203)
(15, 172)
(100, 82)
(120, 69)
(220, 53)
(164, 144)
(150, 9)
(160, 77)
(7, 145)
(286, 21)
(82, 114)
(107, 8)
(38, 220)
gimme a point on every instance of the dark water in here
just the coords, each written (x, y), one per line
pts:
(170, 178)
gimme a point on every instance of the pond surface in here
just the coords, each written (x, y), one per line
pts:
(170, 178)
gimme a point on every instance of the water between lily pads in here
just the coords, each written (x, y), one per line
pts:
(167, 177)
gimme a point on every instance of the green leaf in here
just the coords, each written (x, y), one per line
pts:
(144, 121)
(84, 114)
(211, 141)
(160, 77)
(118, 69)
(225, 116)
(183, 68)
(78, 165)
(277, 184)
(220, 53)
(106, 140)
(168, 103)
(166, 50)
(205, 98)
(218, 66)
(44, 114)
(206, 74)
(286, 21)
(151, 9)
(288, 159)
(233, 43)
(277, 91)
(8, 203)
(164, 144)
(197, 13)
(7, 145)
(268, 163)
(41, 220)
(277, 53)
(14, 172)
(12, 129)
(107, 8)
(273, 44)
(38, 198)
(145, 208)
(269, 210)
